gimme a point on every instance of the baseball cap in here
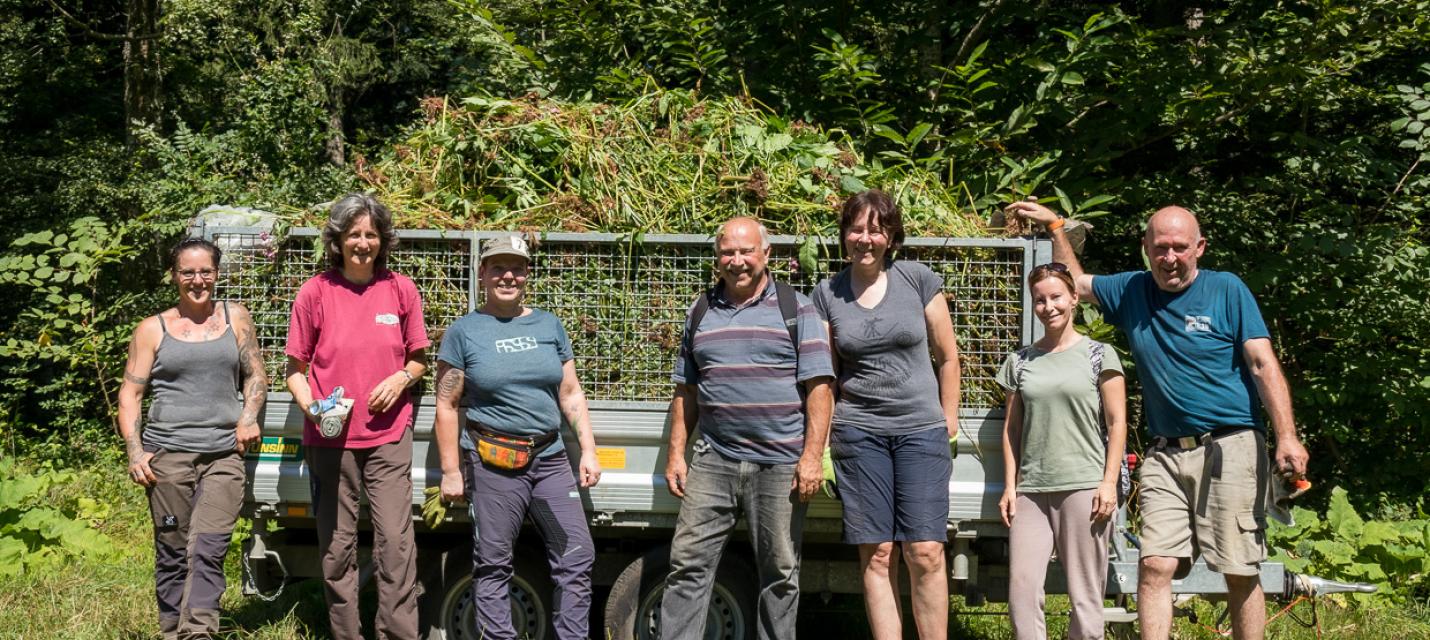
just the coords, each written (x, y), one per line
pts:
(512, 245)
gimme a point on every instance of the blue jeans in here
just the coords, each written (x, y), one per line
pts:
(716, 489)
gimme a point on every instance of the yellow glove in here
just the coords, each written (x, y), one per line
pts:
(434, 511)
(830, 486)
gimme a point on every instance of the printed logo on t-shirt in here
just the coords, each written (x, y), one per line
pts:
(387, 318)
(516, 345)
(1198, 323)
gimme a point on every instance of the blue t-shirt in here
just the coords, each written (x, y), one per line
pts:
(513, 372)
(747, 384)
(1188, 348)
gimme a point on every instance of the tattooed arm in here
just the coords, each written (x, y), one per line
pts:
(573, 406)
(255, 379)
(131, 396)
(450, 382)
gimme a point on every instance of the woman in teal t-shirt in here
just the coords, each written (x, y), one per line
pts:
(1060, 474)
(512, 368)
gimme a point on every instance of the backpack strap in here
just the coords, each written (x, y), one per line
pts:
(1021, 365)
(789, 310)
(702, 305)
(1094, 355)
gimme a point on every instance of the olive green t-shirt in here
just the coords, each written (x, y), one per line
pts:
(1062, 448)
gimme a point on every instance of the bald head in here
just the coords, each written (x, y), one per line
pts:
(1173, 219)
(1173, 244)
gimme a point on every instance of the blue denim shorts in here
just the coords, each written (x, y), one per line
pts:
(894, 488)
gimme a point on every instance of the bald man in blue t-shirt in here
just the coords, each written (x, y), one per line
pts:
(1207, 367)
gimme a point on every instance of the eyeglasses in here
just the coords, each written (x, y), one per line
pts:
(1055, 267)
(190, 274)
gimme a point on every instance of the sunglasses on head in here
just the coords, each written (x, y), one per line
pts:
(1055, 267)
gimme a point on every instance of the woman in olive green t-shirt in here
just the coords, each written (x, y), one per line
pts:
(1060, 478)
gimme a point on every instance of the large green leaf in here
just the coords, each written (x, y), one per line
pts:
(1343, 517)
(16, 489)
(12, 556)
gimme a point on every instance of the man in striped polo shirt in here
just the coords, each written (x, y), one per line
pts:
(738, 378)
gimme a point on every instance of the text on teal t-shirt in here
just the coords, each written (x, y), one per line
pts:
(513, 372)
(1188, 348)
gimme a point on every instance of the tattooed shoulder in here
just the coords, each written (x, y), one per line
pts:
(449, 381)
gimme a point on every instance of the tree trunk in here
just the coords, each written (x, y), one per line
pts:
(143, 79)
(336, 145)
(931, 49)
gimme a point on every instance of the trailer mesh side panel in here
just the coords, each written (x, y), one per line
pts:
(624, 303)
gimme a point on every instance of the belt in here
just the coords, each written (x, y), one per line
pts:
(1187, 443)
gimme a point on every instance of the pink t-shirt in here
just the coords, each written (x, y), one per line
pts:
(355, 336)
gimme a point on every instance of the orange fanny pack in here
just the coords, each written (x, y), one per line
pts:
(509, 452)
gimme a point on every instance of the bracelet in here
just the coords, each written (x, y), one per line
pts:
(409, 375)
(1056, 224)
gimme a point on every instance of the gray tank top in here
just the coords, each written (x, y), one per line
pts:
(196, 399)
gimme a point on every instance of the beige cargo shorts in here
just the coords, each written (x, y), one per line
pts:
(1187, 511)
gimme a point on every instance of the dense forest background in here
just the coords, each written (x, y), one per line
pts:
(1297, 130)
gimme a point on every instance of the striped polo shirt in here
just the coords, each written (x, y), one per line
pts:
(743, 368)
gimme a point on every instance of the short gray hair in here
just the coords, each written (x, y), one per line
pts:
(343, 213)
(764, 233)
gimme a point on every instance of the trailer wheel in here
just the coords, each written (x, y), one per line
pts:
(633, 606)
(451, 615)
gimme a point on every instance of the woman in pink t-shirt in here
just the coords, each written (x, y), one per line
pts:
(359, 326)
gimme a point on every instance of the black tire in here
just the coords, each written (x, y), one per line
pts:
(633, 606)
(448, 612)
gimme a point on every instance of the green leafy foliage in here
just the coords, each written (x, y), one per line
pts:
(42, 527)
(1296, 130)
(68, 341)
(663, 162)
(1341, 545)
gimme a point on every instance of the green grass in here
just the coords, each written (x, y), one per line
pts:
(1337, 620)
(90, 598)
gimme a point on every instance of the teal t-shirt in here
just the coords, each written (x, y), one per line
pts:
(1062, 447)
(1188, 348)
(513, 372)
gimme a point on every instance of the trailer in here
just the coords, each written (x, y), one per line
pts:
(622, 298)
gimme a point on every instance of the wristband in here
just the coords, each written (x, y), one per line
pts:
(1056, 224)
(409, 375)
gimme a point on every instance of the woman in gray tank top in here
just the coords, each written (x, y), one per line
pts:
(202, 359)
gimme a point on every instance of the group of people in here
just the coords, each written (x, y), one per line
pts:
(868, 365)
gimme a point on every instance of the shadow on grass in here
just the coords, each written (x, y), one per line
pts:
(299, 612)
(842, 616)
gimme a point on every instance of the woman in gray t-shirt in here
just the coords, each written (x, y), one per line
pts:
(896, 412)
